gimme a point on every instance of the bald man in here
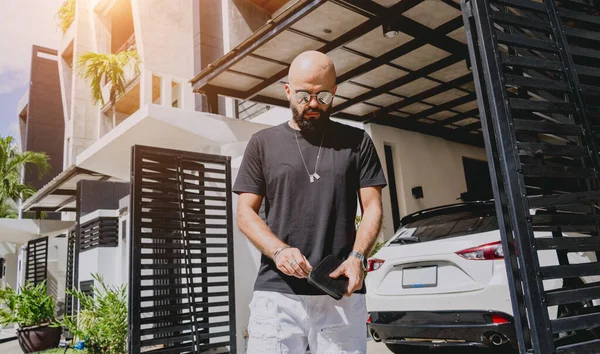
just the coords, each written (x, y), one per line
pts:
(309, 171)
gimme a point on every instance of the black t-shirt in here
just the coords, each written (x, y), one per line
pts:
(317, 218)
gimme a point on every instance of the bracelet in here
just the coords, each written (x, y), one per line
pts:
(279, 250)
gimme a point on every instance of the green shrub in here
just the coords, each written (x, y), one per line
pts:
(102, 319)
(32, 307)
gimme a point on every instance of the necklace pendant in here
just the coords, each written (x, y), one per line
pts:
(316, 176)
(312, 179)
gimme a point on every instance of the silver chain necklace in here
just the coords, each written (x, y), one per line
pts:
(313, 176)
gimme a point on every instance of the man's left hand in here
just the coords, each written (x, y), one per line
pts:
(353, 270)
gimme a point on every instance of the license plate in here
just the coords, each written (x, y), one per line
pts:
(419, 277)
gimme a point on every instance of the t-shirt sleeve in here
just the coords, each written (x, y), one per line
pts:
(250, 178)
(370, 170)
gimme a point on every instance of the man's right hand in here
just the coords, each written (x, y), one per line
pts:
(290, 261)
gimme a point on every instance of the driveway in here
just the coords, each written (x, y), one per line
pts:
(12, 347)
(379, 348)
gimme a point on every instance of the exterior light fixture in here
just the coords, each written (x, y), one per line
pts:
(390, 29)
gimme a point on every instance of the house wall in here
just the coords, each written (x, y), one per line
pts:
(11, 262)
(209, 40)
(164, 32)
(80, 113)
(103, 261)
(422, 160)
(44, 124)
(100, 195)
(57, 270)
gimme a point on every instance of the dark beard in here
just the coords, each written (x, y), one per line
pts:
(311, 125)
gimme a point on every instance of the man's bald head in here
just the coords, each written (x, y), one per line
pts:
(313, 73)
(312, 67)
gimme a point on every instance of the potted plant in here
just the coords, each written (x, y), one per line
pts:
(33, 311)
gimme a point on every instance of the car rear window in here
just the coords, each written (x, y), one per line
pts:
(446, 226)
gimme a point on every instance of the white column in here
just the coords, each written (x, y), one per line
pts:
(188, 102)
(166, 92)
(145, 88)
(11, 263)
(21, 260)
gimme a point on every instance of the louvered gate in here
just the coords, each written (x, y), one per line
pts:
(181, 280)
(71, 258)
(535, 65)
(36, 267)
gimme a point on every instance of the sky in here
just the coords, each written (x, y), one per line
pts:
(23, 23)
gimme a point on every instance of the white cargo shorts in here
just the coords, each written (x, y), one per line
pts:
(287, 323)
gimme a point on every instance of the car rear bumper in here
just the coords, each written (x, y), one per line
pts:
(437, 329)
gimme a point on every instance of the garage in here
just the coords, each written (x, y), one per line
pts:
(517, 77)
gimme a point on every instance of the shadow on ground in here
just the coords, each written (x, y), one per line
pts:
(456, 350)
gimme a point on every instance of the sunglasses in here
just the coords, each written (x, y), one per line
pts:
(323, 97)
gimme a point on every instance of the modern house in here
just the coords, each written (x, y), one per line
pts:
(451, 94)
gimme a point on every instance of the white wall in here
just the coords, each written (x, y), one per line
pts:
(11, 264)
(103, 261)
(164, 32)
(422, 160)
(57, 268)
(246, 264)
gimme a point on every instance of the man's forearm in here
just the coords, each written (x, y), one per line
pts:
(368, 230)
(258, 232)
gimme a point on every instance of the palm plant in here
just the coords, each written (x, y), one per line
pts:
(107, 68)
(66, 15)
(12, 165)
(7, 210)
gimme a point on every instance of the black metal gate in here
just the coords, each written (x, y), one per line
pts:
(36, 267)
(70, 272)
(536, 67)
(181, 293)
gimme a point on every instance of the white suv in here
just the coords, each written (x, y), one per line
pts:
(441, 281)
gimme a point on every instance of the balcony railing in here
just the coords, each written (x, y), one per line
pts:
(128, 45)
(247, 110)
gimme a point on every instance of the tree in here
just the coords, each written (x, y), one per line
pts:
(12, 166)
(98, 69)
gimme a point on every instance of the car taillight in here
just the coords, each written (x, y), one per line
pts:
(374, 264)
(498, 319)
(369, 319)
(488, 251)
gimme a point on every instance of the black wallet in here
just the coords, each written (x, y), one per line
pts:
(319, 278)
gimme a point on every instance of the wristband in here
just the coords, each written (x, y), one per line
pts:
(279, 250)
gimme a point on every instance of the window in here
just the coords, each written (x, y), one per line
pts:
(477, 177)
(453, 224)
(175, 94)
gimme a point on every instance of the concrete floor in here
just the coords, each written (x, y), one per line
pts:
(11, 347)
(379, 348)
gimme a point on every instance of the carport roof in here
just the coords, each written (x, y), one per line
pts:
(418, 80)
(59, 194)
